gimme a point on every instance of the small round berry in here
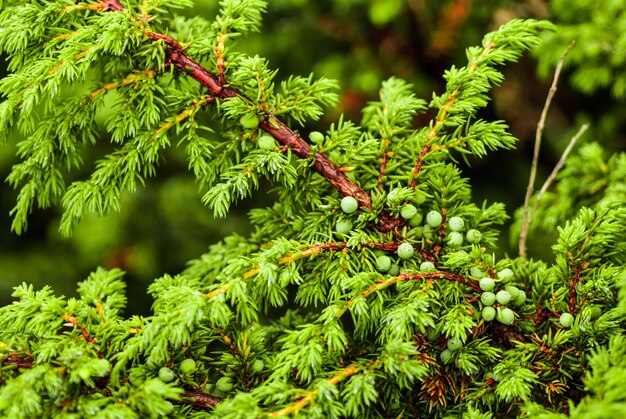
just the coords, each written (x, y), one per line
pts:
(408, 211)
(416, 220)
(456, 223)
(505, 275)
(455, 239)
(427, 266)
(394, 270)
(249, 121)
(349, 204)
(520, 299)
(566, 320)
(505, 316)
(316, 137)
(405, 250)
(486, 284)
(383, 263)
(476, 272)
(595, 312)
(224, 384)
(392, 195)
(434, 219)
(266, 142)
(433, 335)
(343, 226)
(445, 355)
(257, 366)
(503, 297)
(166, 375)
(488, 298)
(419, 197)
(473, 236)
(488, 313)
(514, 291)
(454, 344)
(188, 366)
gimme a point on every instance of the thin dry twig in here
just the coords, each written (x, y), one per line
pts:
(533, 168)
(559, 165)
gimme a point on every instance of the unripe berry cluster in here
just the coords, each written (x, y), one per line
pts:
(508, 294)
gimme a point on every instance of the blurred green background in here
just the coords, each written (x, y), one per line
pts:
(360, 43)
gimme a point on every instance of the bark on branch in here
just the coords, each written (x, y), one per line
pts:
(176, 56)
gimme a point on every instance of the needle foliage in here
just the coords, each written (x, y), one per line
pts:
(375, 306)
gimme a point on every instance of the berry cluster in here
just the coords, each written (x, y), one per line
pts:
(187, 369)
(508, 294)
(497, 295)
(265, 141)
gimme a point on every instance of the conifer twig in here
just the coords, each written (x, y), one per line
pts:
(176, 56)
(72, 320)
(383, 164)
(573, 295)
(429, 276)
(559, 165)
(113, 5)
(308, 398)
(437, 124)
(202, 401)
(535, 162)
(22, 361)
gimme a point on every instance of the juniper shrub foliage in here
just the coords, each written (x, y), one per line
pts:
(388, 303)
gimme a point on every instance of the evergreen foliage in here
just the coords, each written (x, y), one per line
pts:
(368, 307)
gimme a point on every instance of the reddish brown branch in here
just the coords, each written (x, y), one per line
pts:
(572, 291)
(176, 56)
(21, 360)
(383, 164)
(72, 320)
(201, 401)
(418, 165)
(453, 277)
(272, 125)
(329, 170)
(113, 5)
(229, 342)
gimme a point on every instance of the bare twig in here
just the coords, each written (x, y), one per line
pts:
(533, 168)
(559, 165)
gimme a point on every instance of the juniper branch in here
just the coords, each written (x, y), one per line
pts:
(201, 401)
(176, 56)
